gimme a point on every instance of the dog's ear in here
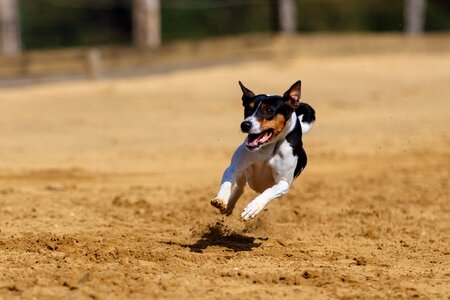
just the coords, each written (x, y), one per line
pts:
(292, 95)
(247, 95)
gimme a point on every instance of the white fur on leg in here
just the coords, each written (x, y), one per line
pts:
(224, 192)
(258, 204)
(239, 162)
(221, 200)
(236, 194)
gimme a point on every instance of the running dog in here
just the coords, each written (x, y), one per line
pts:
(272, 154)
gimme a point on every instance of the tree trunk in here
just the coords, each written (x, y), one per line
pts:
(414, 14)
(11, 42)
(287, 16)
(147, 23)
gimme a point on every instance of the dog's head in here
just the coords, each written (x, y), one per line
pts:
(266, 115)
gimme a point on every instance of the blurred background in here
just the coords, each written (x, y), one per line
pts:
(113, 37)
(47, 24)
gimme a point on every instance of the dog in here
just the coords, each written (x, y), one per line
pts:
(272, 154)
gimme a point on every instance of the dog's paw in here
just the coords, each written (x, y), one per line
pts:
(220, 205)
(253, 209)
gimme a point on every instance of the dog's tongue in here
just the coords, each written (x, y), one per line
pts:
(255, 139)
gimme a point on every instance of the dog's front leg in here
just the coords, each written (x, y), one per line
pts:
(236, 194)
(228, 179)
(231, 174)
(258, 204)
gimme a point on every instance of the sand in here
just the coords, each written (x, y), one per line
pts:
(105, 186)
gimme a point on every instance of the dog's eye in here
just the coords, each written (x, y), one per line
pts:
(268, 110)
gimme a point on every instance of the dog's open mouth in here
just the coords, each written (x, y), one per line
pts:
(256, 140)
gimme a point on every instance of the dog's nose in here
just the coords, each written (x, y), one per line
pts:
(246, 126)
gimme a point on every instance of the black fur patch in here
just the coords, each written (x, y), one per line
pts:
(273, 105)
(309, 114)
(294, 139)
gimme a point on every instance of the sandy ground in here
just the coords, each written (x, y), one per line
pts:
(105, 186)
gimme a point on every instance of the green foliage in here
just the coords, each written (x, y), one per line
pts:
(350, 15)
(64, 23)
(438, 15)
(203, 19)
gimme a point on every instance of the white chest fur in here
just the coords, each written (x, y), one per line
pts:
(261, 175)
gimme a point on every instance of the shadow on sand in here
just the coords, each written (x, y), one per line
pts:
(219, 235)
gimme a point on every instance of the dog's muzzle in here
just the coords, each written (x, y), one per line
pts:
(246, 126)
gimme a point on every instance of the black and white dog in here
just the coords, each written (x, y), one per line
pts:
(272, 154)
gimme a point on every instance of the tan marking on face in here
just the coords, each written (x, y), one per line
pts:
(277, 124)
(251, 104)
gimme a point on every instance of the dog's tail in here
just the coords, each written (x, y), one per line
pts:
(307, 116)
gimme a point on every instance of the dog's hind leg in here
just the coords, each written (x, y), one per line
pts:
(236, 194)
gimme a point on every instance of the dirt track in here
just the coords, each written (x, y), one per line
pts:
(105, 187)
